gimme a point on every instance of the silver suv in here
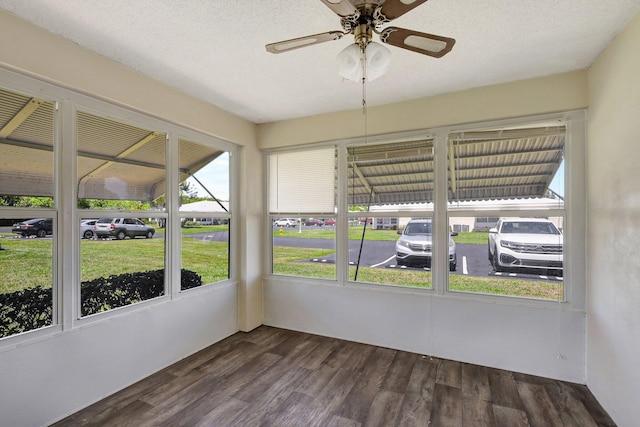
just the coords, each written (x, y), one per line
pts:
(123, 227)
(414, 245)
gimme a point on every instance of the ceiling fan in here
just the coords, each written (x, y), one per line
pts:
(362, 18)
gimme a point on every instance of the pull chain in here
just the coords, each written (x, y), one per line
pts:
(363, 62)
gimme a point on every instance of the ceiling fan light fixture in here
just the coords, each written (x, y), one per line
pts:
(376, 56)
(349, 62)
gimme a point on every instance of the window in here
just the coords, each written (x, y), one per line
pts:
(436, 211)
(390, 196)
(121, 182)
(204, 212)
(302, 208)
(120, 243)
(516, 174)
(27, 213)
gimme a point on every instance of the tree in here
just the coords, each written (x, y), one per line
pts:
(10, 200)
(187, 192)
(26, 202)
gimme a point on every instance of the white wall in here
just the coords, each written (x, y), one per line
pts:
(560, 92)
(613, 321)
(537, 340)
(45, 380)
(250, 251)
(43, 376)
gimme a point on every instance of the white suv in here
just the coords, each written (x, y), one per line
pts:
(525, 243)
(286, 222)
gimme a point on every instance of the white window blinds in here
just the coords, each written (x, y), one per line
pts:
(302, 181)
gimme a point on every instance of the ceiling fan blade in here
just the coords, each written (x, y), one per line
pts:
(391, 9)
(287, 45)
(343, 8)
(427, 44)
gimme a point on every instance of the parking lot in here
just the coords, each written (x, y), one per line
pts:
(472, 258)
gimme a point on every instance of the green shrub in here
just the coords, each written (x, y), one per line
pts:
(29, 309)
(25, 310)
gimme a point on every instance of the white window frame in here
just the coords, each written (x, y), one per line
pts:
(208, 141)
(31, 87)
(66, 243)
(573, 212)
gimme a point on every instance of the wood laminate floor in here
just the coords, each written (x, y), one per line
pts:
(276, 377)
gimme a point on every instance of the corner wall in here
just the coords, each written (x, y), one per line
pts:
(613, 228)
(46, 378)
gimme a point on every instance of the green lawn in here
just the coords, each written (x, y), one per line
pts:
(25, 263)
(28, 262)
(355, 233)
(472, 238)
(422, 279)
(195, 229)
(287, 261)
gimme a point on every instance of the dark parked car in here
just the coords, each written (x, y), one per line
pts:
(40, 227)
(313, 222)
(123, 227)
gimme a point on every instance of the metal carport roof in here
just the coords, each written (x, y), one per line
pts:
(482, 165)
(115, 160)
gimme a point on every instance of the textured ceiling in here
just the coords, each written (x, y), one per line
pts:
(214, 49)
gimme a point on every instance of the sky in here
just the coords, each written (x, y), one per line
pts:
(557, 183)
(215, 177)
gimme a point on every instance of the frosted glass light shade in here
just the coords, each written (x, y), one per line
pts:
(349, 62)
(376, 56)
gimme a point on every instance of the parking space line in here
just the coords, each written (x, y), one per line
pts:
(464, 265)
(384, 262)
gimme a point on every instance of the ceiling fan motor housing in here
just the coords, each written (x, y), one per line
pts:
(363, 35)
